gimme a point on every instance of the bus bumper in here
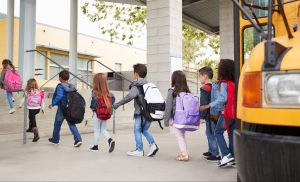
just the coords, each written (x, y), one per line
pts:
(264, 157)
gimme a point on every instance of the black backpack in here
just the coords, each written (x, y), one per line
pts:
(75, 108)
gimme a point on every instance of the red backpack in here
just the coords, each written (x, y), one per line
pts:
(229, 110)
(102, 111)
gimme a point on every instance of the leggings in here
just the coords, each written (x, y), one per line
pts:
(180, 136)
(31, 116)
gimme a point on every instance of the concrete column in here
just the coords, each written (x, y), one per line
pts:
(10, 29)
(164, 41)
(73, 38)
(27, 38)
(226, 29)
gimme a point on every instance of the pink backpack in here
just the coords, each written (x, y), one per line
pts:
(13, 79)
(35, 98)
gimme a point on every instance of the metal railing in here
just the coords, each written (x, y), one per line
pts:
(60, 66)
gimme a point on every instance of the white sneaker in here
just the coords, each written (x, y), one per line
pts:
(152, 151)
(11, 111)
(225, 160)
(136, 153)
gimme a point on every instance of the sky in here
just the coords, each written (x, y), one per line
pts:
(57, 13)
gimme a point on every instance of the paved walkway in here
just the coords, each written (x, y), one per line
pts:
(43, 161)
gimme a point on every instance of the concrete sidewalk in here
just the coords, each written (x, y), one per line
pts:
(43, 161)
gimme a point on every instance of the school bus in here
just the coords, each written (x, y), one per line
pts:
(267, 45)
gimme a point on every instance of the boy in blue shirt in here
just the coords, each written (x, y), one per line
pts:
(206, 75)
(60, 100)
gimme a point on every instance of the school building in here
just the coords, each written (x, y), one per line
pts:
(164, 38)
(54, 43)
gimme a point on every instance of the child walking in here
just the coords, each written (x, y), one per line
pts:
(60, 100)
(205, 77)
(225, 77)
(141, 125)
(35, 102)
(7, 64)
(101, 105)
(179, 84)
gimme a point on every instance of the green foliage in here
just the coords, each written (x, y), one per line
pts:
(116, 20)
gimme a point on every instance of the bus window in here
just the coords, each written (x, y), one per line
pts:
(250, 39)
(259, 13)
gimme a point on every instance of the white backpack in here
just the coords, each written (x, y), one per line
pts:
(151, 102)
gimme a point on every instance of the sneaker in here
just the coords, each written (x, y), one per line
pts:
(52, 141)
(78, 143)
(11, 111)
(136, 153)
(206, 154)
(213, 158)
(29, 130)
(225, 160)
(153, 150)
(111, 144)
(94, 148)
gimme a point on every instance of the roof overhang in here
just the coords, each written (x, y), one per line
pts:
(202, 14)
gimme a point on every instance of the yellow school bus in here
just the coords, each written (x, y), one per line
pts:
(267, 45)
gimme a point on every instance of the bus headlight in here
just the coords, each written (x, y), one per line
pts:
(282, 89)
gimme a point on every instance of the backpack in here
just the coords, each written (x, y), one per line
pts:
(187, 114)
(35, 98)
(102, 111)
(151, 103)
(13, 79)
(75, 108)
(229, 110)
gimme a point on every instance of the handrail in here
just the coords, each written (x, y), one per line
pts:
(25, 110)
(119, 74)
(34, 50)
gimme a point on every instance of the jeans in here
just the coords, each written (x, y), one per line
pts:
(32, 119)
(59, 118)
(142, 126)
(10, 99)
(211, 139)
(220, 128)
(99, 127)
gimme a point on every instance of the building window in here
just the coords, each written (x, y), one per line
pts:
(63, 60)
(40, 67)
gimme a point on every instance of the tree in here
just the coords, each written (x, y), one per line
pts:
(116, 20)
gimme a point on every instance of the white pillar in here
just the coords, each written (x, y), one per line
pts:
(226, 29)
(164, 41)
(73, 38)
(27, 31)
(10, 30)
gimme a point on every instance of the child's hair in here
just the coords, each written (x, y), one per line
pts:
(31, 84)
(207, 71)
(179, 83)
(140, 69)
(65, 75)
(226, 70)
(6, 63)
(100, 87)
